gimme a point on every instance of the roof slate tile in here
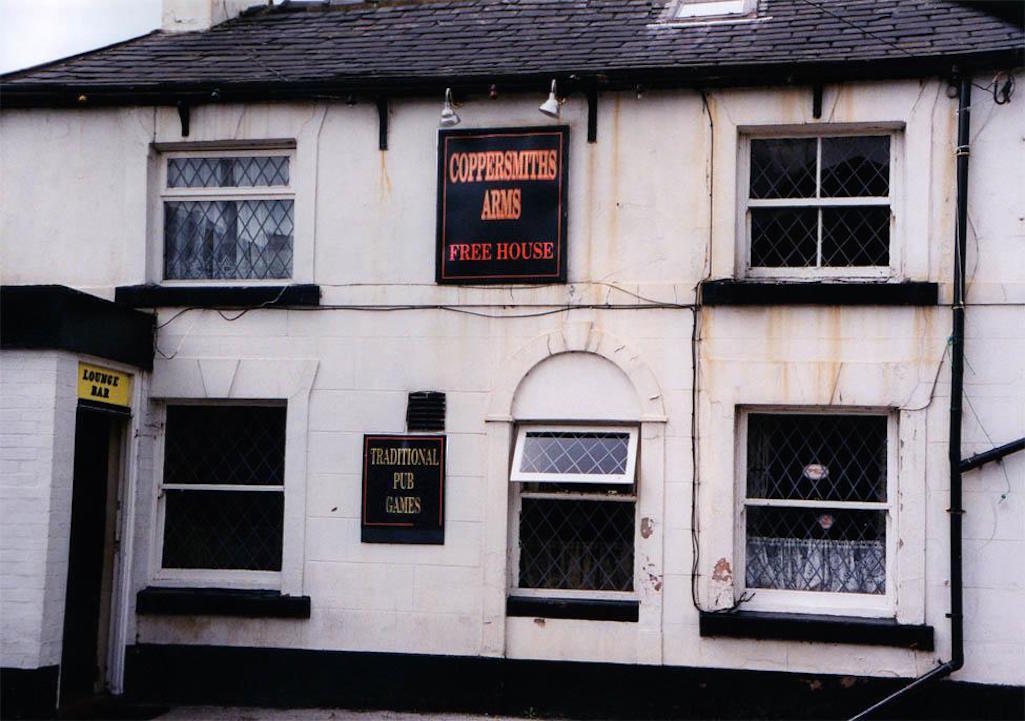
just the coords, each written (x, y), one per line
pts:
(428, 40)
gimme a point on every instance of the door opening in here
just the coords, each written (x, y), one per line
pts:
(99, 438)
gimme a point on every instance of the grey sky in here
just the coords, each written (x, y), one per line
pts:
(37, 31)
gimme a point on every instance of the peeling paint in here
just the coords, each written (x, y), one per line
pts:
(723, 572)
(647, 527)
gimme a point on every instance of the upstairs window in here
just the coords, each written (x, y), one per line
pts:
(228, 216)
(819, 206)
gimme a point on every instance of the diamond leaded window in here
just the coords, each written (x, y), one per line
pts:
(816, 502)
(819, 203)
(223, 487)
(228, 217)
(576, 507)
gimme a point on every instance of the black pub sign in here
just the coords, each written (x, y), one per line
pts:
(403, 489)
(502, 205)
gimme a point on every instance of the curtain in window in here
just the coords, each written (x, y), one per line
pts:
(816, 564)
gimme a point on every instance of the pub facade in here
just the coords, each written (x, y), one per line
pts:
(327, 366)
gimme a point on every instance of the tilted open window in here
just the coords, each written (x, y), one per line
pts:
(575, 508)
(569, 454)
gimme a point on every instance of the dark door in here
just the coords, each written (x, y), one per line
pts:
(97, 442)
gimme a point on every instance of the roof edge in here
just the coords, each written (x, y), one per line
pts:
(43, 95)
(14, 74)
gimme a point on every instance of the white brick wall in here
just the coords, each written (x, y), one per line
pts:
(28, 407)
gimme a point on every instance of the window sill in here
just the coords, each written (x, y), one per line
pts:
(220, 602)
(810, 627)
(751, 292)
(217, 296)
(579, 608)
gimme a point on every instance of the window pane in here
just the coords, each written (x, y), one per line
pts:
(242, 445)
(856, 167)
(245, 172)
(576, 544)
(783, 168)
(223, 529)
(575, 453)
(853, 237)
(784, 237)
(240, 239)
(816, 549)
(816, 457)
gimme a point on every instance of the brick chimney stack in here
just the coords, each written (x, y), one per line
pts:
(179, 16)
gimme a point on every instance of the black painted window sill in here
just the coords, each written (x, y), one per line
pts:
(579, 608)
(812, 627)
(750, 292)
(220, 602)
(217, 296)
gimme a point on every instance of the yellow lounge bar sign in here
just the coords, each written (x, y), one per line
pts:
(104, 385)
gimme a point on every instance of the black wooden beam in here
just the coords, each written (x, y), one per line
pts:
(382, 123)
(592, 115)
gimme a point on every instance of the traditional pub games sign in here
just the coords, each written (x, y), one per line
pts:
(502, 205)
(403, 489)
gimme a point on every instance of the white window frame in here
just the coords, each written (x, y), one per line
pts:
(628, 477)
(518, 494)
(168, 194)
(231, 578)
(746, 203)
(822, 602)
(700, 9)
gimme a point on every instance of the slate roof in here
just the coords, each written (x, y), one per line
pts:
(410, 45)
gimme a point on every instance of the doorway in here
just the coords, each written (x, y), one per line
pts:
(99, 450)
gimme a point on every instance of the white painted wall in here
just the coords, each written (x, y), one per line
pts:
(179, 16)
(640, 227)
(37, 442)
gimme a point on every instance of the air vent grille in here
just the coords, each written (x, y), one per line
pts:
(426, 411)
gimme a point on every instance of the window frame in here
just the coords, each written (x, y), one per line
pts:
(698, 10)
(517, 476)
(226, 577)
(518, 493)
(822, 602)
(746, 203)
(168, 194)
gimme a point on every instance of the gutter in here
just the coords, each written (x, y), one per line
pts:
(957, 465)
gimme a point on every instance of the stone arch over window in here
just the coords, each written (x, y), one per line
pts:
(575, 353)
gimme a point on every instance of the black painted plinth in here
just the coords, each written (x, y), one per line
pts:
(536, 689)
(28, 693)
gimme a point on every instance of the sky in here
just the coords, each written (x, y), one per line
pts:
(37, 31)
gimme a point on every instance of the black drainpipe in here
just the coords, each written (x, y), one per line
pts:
(956, 510)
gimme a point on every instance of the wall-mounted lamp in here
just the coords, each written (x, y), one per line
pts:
(550, 107)
(449, 117)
